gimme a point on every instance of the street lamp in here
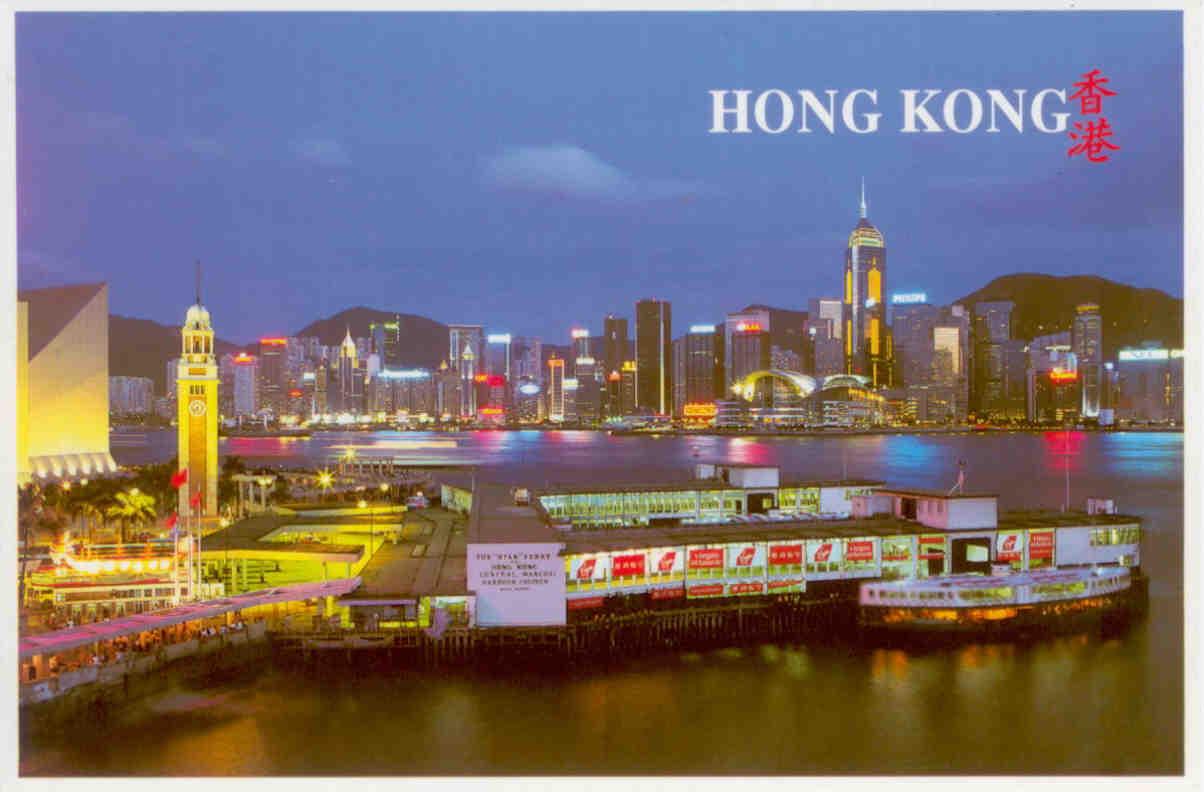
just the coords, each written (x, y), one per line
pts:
(363, 504)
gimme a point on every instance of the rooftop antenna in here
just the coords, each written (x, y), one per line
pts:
(960, 486)
(198, 281)
(862, 197)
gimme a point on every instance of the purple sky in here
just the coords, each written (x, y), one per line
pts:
(532, 172)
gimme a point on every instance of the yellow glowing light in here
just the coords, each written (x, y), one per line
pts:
(124, 566)
(384, 487)
(137, 566)
(110, 566)
(363, 504)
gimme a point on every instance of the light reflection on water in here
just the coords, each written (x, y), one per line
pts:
(1068, 704)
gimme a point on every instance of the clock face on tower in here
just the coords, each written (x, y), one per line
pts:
(197, 408)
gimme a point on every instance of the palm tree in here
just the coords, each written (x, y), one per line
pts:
(132, 506)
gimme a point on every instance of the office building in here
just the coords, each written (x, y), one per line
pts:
(1088, 344)
(614, 343)
(741, 324)
(627, 388)
(1150, 384)
(246, 385)
(654, 350)
(556, 409)
(750, 352)
(912, 328)
(701, 370)
(131, 395)
(497, 355)
(273, 377)
(825, 354)
(526, 355)
(466, 351)
(991, 330)
(829, 309)
(386, 342)
(350, 378)
(867, 338)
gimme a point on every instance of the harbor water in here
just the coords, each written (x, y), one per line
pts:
(1070, 704)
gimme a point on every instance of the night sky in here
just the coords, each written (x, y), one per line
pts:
(532, 172)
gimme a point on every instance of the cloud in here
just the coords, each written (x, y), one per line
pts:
(326, 152)
(568, 170)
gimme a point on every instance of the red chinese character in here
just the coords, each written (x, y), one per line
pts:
(1091, 92)
(1092, 140)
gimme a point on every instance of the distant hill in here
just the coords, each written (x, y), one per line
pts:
(1046, 303)
(141, 348)
(423, 341)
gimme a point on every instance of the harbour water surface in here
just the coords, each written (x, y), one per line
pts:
(1073, 704)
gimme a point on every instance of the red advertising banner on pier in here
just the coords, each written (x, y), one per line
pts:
(788, 584)
(859, 550)
(737, 589)
(585, 603)
(781, 555)
(706, 558)
(1040, 544)
(1009, 547)
(677, 592)
(705, 590)
(627, 565)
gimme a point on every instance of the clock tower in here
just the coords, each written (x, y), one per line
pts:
(196, 384)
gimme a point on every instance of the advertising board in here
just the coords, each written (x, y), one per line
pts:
(1040, 544)
(517, 584)
(1009, 547)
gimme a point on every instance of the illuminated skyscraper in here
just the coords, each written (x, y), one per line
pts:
(246, 384)
(467, 352)
(556, 390)
(349, 392)
(867, 339)
(912, 326)
(386, 342)
(1088, 344)
(736, 329)
(273, 380)
(197, 385)
(654, 356)
(627, 376)
(497, 355)
(614, 342)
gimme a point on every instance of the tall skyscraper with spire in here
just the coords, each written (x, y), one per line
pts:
(196, 390)
(868, 348)
(349, 392)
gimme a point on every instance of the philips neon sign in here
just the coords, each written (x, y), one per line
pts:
(909, 298)
(1146, 354)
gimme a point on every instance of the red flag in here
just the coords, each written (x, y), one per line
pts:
(172, 519)
(179, 478)
(195, 500)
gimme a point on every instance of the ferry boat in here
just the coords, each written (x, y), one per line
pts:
(1000, 602)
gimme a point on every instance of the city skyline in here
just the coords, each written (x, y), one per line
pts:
(326, 196)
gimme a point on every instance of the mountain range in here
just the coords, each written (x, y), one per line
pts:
(1043, 304)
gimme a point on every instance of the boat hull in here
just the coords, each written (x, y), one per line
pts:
(1108, 611)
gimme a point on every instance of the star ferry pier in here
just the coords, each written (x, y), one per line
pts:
(726, 555)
